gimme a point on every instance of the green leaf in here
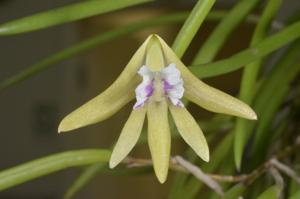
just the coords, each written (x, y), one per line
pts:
(192, 186)
(271, 192)
(231, 17)
(248, 82)
(285, 71)
(64, 14)
(53, 163)
(100, 39)
(216, 124)
(191, 26)
(181, 178)
(235, 192)
(89, 44)
(218, 37)
(228, 168)
(295, 195)
(85, 177)
(263, 133)
(279, 80)
(249, 55)
(293, 188)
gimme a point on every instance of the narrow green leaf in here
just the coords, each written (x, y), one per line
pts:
(53, 163)
(216, 124)
(250, 73)
(249, 55)
(295, 195)
(196, 185)
(235, 192)
(100, 39)
(293, 188)
(191, 26)
(216, 40)
(271, 192)
(279, 80)
(64, 14)
(263, 133)
(192, 187)
(85, 177)
(89, 44)
(181, 178)
(284, 72)
(228, 168)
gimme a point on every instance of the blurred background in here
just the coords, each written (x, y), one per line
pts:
(30, 111)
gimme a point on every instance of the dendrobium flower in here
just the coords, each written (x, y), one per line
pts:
(167, 80)
(158, 80)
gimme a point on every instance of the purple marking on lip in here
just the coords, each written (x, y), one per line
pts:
(149, 89)
(179, 104)
(136, 106)
(167, 86)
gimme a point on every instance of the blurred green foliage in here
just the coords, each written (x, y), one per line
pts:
(246, 146)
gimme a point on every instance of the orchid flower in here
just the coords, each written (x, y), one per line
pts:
(158, 80)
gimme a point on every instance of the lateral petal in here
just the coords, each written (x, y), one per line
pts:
(159, 138)
(204, 95)
(129, 136)
(190, 131)
(111, 100)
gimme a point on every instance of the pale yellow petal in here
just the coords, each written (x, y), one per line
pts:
(129, 136)
(159, 138)
(190, 131)
(111, 100)
(204, 95)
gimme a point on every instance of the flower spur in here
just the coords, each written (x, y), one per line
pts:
(165, 80)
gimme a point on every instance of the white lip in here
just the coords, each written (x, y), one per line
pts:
(170, 74)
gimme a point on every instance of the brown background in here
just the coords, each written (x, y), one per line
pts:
(30, 111)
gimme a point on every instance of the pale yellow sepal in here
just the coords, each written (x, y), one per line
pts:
(190, 131)
(111, 100)
(129, 136)
(155, 57)
(159, 138)
(204, 95)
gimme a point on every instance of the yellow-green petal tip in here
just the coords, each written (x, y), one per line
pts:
(253, 116)
(206, 157)
(162, 177)
(65, 125)
(248, 112)
(62, 127)
(112, 164)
